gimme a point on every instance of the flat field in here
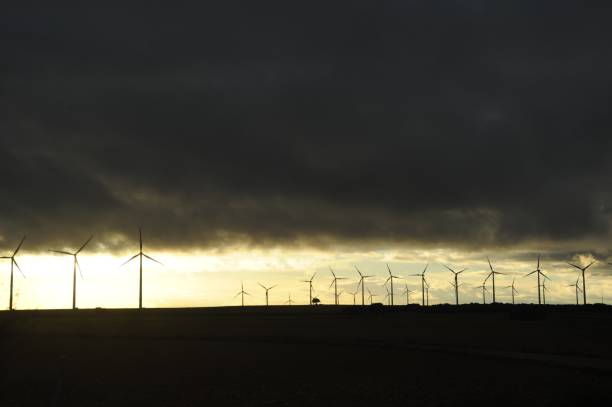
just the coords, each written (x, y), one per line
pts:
(308, 356)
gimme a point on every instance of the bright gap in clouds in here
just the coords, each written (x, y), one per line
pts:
(212, 279)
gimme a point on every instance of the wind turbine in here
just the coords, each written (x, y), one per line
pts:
(544, 291)
(537, 270)
(242, 292)
(407, 292)
(513, 291)
(387, 296)
(577, 287)
(354, 294)
(484, 292)
(492, 274)
(583, 269)
(267, 289)
(74, 268)
(390, 278)
(289, 301)
(371, 296)
(14, 264)
(310, 286)
(422, 275)
(362, 278)
(456, 285)
(140, 254)
(335, 284)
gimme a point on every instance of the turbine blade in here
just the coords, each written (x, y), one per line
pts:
(573, 265)
(450, 269)
(19, 246)
(272, 287)
(84, 244)
(534, 271)
(425, 270)
(490, 266)
(358, 271)
(262, 286)
(152, 259)
(459, 272)
(590, 264)
(79, 267)
(18, 268)
(129, 260)
(61, 252)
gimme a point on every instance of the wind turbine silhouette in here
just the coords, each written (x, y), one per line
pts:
(544, 291)
(456, 284)
(242, 292)
(583, 269)
(484, 291)
(577, 287)
(387, 296)
(362, 278)
(513, 291)
(74, 268)
(492, 274)
(140, 254)
(310, 286)
(390, 278)
(407, 292)
(371, 296)
(289, 301)
(537, 270)
(354, 294)
(422, 275)
(267, 289)
(335, 284)
(14, 264)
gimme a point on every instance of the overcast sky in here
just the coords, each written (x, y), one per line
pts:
(445, 124)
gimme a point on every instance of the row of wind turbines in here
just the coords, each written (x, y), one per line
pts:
(75, 265)
(541, 281)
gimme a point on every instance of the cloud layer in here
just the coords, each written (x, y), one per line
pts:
(459, 123)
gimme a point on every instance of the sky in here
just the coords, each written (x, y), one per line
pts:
(266, 141)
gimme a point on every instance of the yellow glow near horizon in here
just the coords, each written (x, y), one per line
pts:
(202, 278)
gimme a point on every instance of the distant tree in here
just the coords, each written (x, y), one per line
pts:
(316, 301)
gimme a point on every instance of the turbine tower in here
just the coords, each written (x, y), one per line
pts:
(242, 293)
(14, 264)
(74, 268)
(140, 254)
(583, 269)
(422, 275)
(513, 291)
(289, 301)
(362, 278)
(387, 296)
(492, 275)
(310, 286)
(267, 289)
(537, 270)
(335, 284)
(577, 288)
(456, 284)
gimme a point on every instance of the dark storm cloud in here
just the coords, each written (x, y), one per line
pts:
(456, 122)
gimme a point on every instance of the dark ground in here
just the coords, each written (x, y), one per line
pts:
(308, 356)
